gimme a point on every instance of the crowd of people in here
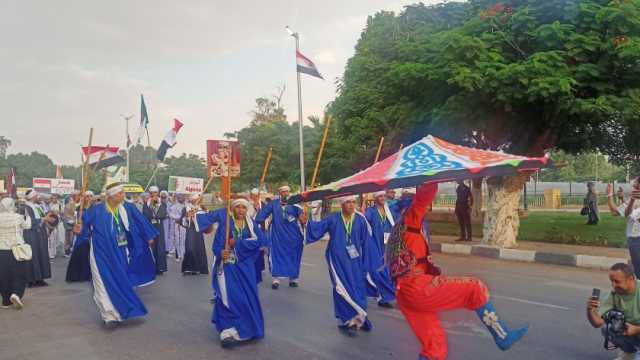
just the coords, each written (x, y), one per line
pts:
(120, 243)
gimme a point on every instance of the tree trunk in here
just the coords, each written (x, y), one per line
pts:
(501, 221)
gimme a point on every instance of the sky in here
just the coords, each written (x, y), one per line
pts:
(67, 66)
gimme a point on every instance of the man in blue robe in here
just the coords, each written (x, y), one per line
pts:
(286, 237)
(347, 260)
(382, 217)
(237, 313)
(120, 257)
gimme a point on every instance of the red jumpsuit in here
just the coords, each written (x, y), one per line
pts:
(421, 296)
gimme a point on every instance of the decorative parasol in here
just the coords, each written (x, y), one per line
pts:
(428, 160)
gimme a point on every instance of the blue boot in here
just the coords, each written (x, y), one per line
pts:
(503, 337)
(422, 357)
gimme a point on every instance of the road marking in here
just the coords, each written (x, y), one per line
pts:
(309, 265)
(531, 302)
(570, 285)
(468, 328)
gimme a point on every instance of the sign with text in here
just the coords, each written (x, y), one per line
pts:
(223, 157)
(54, 186)
(185, 185)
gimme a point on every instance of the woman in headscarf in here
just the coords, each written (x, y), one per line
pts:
(12, 272)
(195, 260)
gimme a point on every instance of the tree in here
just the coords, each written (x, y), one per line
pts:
(521, 76)
(4, 145)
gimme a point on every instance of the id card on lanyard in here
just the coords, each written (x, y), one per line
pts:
(351, 248)
(121, 235)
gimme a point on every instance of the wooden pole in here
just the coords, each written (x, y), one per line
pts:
(379, 150)
(267, 162)
(320, 152)
(85, 176)
(226, 239)
(401, 147)
(155, 170)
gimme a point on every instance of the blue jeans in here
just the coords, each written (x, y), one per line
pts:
(634, 251)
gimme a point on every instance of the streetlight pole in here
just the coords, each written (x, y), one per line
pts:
(296, 36)
(128, 146)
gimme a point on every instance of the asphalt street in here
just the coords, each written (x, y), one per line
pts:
(61, 321)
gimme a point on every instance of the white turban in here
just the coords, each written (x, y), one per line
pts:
(239, 201)
(89, 193)
(255, 191)
(344, 199)
(379, 193)
(153, 189)
(164, 192)
(284, 188)
(32, 195)
(114, 190)
(7, 205)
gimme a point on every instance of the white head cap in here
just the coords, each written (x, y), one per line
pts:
(113, 190)
(344, 199)
(164, 192)
(284, 188)
(7, 205)
(379, 193)
(32, 194)
(255, 191)
(239, 201)
(89, 193)
(153, 189)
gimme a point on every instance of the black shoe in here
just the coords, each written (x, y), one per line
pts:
(109, 325)
(40, 283)
(461, 239)
(350, 331)
(212, 301)
(275, 286)
(293, 284)
(228, 343)
(385, 305)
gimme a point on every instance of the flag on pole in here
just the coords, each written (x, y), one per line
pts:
(59, 172)
(144, 120)
(111, 156)
(307, 66)
(169, 140)
(11, 183)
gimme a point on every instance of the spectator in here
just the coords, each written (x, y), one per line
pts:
(464, 202)
(625, 297)
(631, 211)
(591, 204)
(12, 272)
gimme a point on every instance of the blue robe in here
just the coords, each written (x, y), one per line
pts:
(286, 238)
(237, 305)
(119, 268)
(346, 273)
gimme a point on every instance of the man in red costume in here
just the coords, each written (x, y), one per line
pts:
(422, 292)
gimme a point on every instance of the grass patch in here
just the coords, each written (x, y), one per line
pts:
(558, 227)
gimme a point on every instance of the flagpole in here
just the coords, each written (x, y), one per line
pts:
(128, 148)
(300, 126)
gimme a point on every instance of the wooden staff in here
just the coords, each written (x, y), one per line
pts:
(151, 178)
(267, 162)
(226, 239)
(320, 152)
(85, 177)
(379, 150)
(401, 147)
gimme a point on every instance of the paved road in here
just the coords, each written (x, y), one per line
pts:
(61, 321)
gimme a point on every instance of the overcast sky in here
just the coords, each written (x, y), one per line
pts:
(70, 65)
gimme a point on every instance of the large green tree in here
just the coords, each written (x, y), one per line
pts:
(522, 76)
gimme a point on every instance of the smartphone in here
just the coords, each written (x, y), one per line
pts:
(595, 294)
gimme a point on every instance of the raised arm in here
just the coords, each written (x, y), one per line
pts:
(264, 213)
(416, 212)
(205, 220)
(317, 229)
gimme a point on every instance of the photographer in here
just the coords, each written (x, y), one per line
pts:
(621, 305)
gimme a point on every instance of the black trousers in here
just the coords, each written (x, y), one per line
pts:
(464, 220)
(628, 344)
(13, 276)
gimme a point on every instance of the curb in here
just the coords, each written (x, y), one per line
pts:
(530, 256)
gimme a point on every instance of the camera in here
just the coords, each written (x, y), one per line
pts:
(615, 325)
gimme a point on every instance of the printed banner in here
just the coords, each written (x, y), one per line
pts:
(223, 156)
(54, 186)
(185, 185)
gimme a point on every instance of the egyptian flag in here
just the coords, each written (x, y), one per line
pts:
(59, 172)
(11, 183)
(307, 66)
(144, 120)
(169, 140)
(101, 157)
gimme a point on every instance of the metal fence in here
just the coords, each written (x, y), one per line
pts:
(534, 201)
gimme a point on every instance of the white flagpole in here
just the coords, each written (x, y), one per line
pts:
(300, 125)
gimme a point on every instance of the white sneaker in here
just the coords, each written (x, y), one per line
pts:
(16, 301)
(4, 306)
(625, 356)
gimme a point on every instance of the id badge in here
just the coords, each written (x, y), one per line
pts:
(386, 237)
(353, 251)
(122, 239)
(291, 218)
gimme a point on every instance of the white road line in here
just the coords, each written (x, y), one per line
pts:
(570, 285)
(308, 265)
(531, 302)
(467, 328)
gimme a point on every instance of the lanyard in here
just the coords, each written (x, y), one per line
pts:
(115, 213)
(383, 216)
(348, 226)
(237, 232)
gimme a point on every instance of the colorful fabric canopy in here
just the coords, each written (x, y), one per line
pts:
(430, 159)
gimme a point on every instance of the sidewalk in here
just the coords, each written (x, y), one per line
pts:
(546, 253)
